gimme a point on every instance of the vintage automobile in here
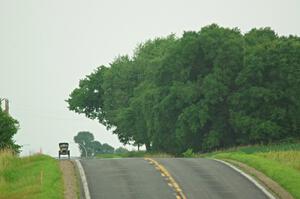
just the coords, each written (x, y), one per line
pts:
(63, 149)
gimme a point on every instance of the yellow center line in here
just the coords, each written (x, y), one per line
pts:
(171, 182)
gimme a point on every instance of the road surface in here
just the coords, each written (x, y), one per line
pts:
(137, 179)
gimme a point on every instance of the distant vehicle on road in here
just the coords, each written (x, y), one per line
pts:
(63, 149)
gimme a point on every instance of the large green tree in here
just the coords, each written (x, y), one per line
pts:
(265, 107)
(209, 89)
(85, 140)
(8, 128)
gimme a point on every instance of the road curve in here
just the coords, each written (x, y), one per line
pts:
(208, 179)
(135, 178)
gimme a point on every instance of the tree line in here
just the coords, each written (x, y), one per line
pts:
(208, 89)
(89, 147)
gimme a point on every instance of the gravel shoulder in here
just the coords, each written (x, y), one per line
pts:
(67, 168)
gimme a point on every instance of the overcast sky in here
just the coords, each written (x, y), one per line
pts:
(46, 46)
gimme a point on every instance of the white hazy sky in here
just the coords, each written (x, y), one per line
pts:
(46, 46)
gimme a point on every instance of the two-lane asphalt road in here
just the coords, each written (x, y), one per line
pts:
(137, 179)
(209, 179)
(125, 179)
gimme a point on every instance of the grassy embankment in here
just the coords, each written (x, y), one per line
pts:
(279, 162)
(34, 177)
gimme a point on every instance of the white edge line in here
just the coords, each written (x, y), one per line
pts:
(251, 179)
(83, 180)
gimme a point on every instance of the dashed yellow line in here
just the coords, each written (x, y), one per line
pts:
(171, 182)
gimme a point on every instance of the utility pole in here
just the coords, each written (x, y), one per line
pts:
(6, 104)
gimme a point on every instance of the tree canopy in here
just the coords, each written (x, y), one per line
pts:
(205, 90)
(8, 128)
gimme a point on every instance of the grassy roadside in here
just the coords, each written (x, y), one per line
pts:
(34, 177)
(279, 162)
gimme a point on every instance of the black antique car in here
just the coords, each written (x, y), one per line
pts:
(63, 149)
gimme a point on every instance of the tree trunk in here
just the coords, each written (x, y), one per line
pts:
(148, 146)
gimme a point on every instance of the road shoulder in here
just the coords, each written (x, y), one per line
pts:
(68, 170)
(267, 182)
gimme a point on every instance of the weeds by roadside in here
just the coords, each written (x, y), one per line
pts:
(33, 177)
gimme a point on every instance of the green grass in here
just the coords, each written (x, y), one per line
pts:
(279, 162)
(288, 158)
(34, 177)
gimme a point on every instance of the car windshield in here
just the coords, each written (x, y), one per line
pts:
(63, 145)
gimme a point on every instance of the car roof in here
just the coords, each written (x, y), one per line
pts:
(61, 143)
